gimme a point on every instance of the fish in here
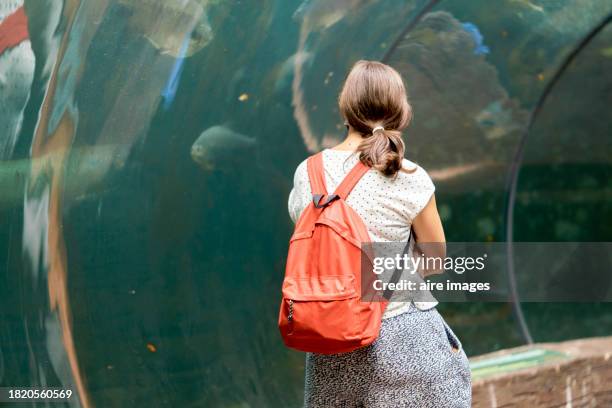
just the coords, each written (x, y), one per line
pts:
(166, 23)
(472, 29)
(497, 120)
(220, 147)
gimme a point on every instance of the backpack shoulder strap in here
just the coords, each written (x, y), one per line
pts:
(316, 174)
(351, 179)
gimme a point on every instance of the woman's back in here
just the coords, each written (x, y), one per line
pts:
(386, 205)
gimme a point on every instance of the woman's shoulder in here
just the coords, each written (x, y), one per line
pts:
(302, 167)
(410, 164)
(415, 173)
(416, 187)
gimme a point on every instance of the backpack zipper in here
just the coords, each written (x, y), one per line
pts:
(290, 317)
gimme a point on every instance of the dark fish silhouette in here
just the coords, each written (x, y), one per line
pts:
(219, 147)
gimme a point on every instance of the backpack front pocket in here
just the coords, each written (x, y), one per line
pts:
(321, 309)
(330, 321)
(325, 288)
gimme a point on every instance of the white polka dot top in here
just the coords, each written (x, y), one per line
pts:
(387, 206)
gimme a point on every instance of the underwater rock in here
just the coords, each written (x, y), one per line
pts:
(464, 117)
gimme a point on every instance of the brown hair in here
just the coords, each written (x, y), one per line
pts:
(374, 95)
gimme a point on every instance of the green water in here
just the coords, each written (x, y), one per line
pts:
(140, 270)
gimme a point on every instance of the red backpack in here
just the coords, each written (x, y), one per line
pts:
(321, 309)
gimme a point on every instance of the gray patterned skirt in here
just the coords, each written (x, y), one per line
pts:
(417, 361)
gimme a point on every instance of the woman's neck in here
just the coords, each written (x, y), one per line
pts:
(352, 141)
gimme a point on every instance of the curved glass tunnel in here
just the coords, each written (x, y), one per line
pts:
(148, 148)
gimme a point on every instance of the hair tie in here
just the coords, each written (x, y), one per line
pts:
(376, 128)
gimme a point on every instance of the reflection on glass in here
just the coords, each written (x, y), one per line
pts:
(147, 150)
(564, 193)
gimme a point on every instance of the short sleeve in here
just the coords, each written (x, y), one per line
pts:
(299, 197)
(421, 188)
